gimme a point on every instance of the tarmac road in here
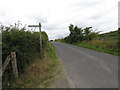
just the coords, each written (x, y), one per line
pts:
(87, 68)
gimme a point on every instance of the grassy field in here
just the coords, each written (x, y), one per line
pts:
(106, 46)
(41, 73)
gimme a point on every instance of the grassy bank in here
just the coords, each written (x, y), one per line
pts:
(33, 69)
(106, 46)
(40, 73)
(26, 44)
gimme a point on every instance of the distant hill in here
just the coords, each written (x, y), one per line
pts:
(109, 35)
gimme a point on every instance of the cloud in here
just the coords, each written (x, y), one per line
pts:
(59, 33)
(56, 15)
(38, 18)
(119, 14)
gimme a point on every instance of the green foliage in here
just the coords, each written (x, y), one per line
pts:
(86, 37)
(78, 34)
(110, 46)
(50, 50)
(59, 40)
(40, 73)
(26, 44)
(113, 35)
(44, 38)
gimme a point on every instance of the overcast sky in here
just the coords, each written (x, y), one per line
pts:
(56, 15)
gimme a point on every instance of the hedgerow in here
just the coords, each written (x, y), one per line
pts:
(26, 44)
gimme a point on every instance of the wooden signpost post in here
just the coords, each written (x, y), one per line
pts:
(40, 36)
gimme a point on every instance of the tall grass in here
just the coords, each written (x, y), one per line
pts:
(41, 72)
(107, 46)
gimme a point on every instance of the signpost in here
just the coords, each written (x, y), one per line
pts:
(40, 36)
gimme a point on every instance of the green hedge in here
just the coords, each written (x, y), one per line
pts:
(26, 44)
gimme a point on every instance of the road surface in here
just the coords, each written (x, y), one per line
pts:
(86, 68)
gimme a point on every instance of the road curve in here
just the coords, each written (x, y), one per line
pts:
(86, 68)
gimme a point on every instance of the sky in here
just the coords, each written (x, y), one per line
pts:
(119, 14)
(56, 15)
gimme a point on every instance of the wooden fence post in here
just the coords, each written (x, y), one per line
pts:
(2, 70)
(14, 64)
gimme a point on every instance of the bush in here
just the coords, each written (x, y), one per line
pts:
(26, 44)
(80, 34)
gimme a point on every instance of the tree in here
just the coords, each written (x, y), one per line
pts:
(78, 34)
(71, 27)
(87, 32)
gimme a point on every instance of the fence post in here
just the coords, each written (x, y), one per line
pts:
(14, 64)
(2, 70)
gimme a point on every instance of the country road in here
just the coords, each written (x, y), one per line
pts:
(86, 68)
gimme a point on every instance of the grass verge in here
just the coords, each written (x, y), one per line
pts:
(41, 73)
(104, 46)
